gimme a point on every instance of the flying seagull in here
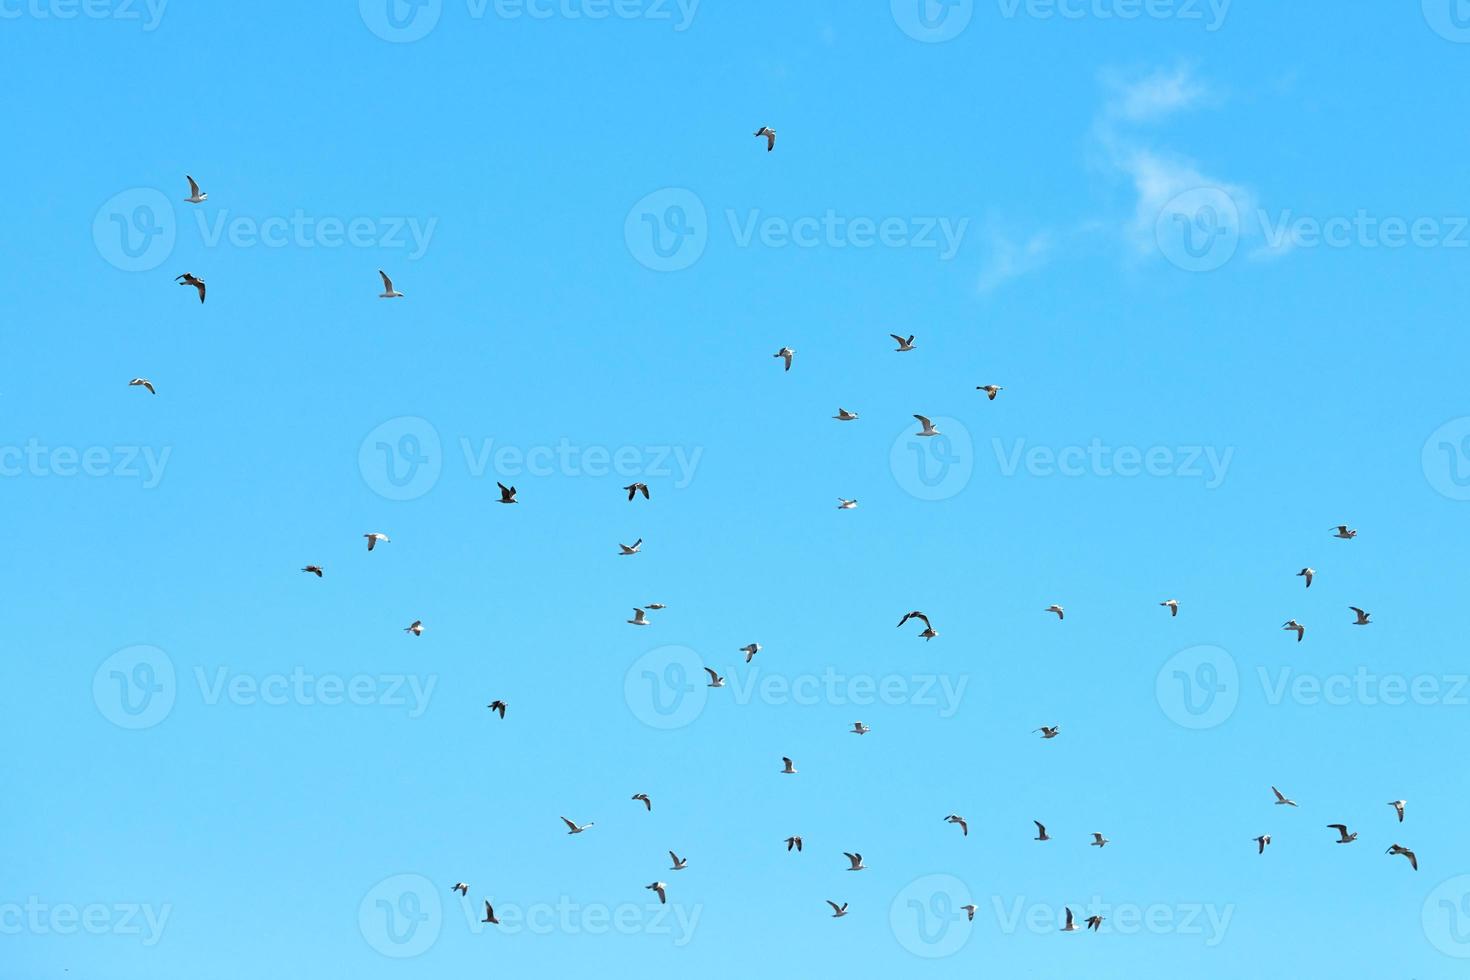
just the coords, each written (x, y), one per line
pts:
(1098, 840)
(679, 863)
(388, 291)
(990, 390)
(573, 828)
(314, 570)
(1173, 605)
(195, 197)
(929, 632)
(1048, 731)
(636, 488)
(787, 353)
(460, 886)
(970, 911)
(374, 537)
(793, 842)
(715, 680)
(1398, 806)
(929, 429)
(507, 494)
(643, 798)
(1282, 800)
(844, 504)
(1362, 616)
(1070, 926)
(1041, 833)
(770, 135)
(1094, 921)
(143, 383)
(1261, 843)
(1343, 837)
(955, 818)
(655, 606)
(790, 767)
(904, 345)
(1344, 532)
(856, 860)
(750, 650)
(1054, 608)
(189, 279)
(1400, 849)
(498, 706)
(631, 549)
(659, 886)
(858, 728)
(416, 627)
(843, 415)
(490, 914)
(1307, 573)
(640, 618)
(838, 911)
(1292, 624)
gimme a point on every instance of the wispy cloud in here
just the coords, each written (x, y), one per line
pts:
(1153, 97)
(1010, 259)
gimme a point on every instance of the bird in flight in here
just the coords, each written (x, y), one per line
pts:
(1343, 837)
(1282, 800)
(970, 911)
(143, 383)
(655, 606)
(1292, 624)
(631, 549)
(955, 818)
(1261, 843)
(497, 706)
(1048, 731)
(1098, 840)
(1400, 849)
(573, 828)
(679, 863)
(838, 911)
(507, 494)
(388, 291)
(640, 618)
(490, 914)
(1094, 921)
(1307, 573)
(659, 886)
(928, 429)
(189, 279)
(1071, 926)
(374, 537)
(195, 197)
(770, 135)
(416, 627)
(1054, 608)
(843, 415)
(904, 344)
(1041, 833)
(789, 767)
(793, 842)
(1344, 532)
(313, 570)
(929, 632)
(990, 390)
(1173, 605)
(750, 650)
(787, 353)
(844, 504)
(460, 886)
(856, 861)
(643, 798)
(636, 488)
(715, 680)
(1398, 806)
(858, 728)
(1362, 619)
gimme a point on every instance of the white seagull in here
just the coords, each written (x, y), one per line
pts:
(416, 627)
(679, 863)
(143, 383)
(640, 618)
(1400, 849)
(1070, 926)
(1307, 573)
(1098, 840)
(631, 549)
(1261, 843)
(844, 504)
(838, 911)
(374, 537)
(904, 345)
(858, 728)
(990, 390)
(787, 354)
(770, 135)
(789, 767)
(1054, 608)
(1344, 532)
(955, 818)
(1292, 624)
(388, 291)
(1281, 800)
(573, 828)
(1343, 837)
(659, 886)
(1362, 616)
(1173, 605)
(750, 650)
(843, 415)
(929, 429)
(856, 860)
(715, 680)
(195, 197)
(1398, 806)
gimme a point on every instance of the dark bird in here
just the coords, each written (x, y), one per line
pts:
(189, 279)
(497, 706)
(634, 489)
(314, 570)
(507, 494)
(770, 135)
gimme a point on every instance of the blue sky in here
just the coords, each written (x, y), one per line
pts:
(1214, 253)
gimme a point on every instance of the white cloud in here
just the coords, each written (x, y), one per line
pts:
(1155, 96)
(1010, 259)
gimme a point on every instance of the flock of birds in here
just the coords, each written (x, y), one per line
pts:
(641, 618)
